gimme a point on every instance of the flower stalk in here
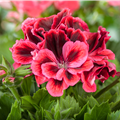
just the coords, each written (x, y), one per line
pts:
(15, 93)
(107, 88)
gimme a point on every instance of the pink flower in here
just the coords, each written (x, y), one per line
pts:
(72, 5)
(101, 70)
(114, 3)
(37, 7)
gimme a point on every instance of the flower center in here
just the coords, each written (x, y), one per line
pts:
(62, 65)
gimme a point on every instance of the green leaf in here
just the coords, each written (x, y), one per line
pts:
(80, 115)
(48, 115)
(46, 103)
(57, 115)
(104, 97)
(5, 105)
(40, 114)
(92, 101)
(81, 101)
(69, 102)
(23, 70)
(115, 106)
(26, 85)
(29, 104)
(15, 113)
(39, 95)
(7, 65)
(57, 106)
(98, 112)
(2, 67)
(114, 116)
(31, 116)
(65, 113)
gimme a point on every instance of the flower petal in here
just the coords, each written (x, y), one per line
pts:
(71, 79)
(78, 35)
(107, 53)
(30, 36)
(75, 53)
(76, 23)
(43, 56)
(57, 39)
(88, 82)
(86, 66)
(59, 18)
(49, 69)
(21, 51)
(40, 79)
(45, 23)
(56, 87)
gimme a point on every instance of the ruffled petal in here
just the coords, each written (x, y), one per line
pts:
(28, 22)
(59, 18)
(56, 87)
(76, 23)
(30, 36)
(44, 23)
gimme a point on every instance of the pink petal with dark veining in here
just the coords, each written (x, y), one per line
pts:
(49, 69)
(70, 79)
(75, 54)
(21, 51)
(43, 56)
(56, 87)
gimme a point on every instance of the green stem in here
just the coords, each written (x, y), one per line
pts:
(64, 93)
(107, 88)
(15, 93)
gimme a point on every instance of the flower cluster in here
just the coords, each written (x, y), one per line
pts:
(62, 51)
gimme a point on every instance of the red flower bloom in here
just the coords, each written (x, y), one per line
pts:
(62, 51)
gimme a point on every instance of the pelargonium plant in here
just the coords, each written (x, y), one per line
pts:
(64, 58)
